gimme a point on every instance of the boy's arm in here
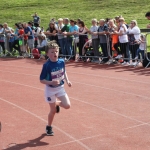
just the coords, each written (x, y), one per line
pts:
(67, 80)
(54, 83)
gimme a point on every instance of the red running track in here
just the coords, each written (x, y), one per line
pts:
(110, 108)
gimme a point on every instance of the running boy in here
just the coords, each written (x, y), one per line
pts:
(53, 75)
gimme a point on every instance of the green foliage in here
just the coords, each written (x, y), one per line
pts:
(13, 11)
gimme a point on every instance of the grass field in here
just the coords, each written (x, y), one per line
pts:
(13, 11)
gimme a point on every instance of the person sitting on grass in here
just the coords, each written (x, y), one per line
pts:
(53, 75)
(147, 15)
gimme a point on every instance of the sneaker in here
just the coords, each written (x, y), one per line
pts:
(127, 64)
(134, 63)
(118, 57)
(136, 58)
(124, 63)
(49, 131)
(57, 109)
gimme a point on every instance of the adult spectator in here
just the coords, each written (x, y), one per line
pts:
(133, 36)
(28, 32)
(16, 39)
(95, 40)
(72, 30)
(36, 18)
(102, 31)
(51, 32)
(82, 37)
(60, 36)
(65, 29)
(123, 39)
(147, 15)
(2, 39)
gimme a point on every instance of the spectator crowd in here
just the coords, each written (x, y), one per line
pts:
(110, 38)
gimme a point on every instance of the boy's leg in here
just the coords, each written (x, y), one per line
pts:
(51, 113)
(64, 101)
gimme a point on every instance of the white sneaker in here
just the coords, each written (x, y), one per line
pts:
(124, 63)
(136, 58)
(127, 64)
(132, 64)
(119, 56)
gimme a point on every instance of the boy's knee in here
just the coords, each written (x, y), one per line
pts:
(67, 106)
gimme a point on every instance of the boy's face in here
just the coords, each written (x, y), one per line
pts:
(53, 54)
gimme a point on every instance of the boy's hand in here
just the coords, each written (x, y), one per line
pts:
(69, 83)
(55, 83)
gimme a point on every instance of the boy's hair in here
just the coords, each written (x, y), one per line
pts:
(147, 14)
(51, 45)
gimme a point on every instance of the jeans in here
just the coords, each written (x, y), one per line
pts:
(138, 53)
(64, 52)
(69, 46)
(61, 45)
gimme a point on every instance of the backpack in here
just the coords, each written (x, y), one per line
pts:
(35, 53)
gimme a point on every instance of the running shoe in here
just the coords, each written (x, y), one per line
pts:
(49, 131)
(57, 109)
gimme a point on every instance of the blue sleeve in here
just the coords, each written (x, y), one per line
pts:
(43, 74)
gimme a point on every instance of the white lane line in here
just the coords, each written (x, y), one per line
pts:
(136, 126)
(81, 74)
(82, 83)
(78, 139)
(36, 116)
(99, 107)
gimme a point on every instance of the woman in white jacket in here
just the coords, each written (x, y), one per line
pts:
(133, 36)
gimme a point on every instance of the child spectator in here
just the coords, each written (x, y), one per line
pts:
(53, 75)
(141, 48)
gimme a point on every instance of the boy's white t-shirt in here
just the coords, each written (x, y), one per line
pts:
(123, 38)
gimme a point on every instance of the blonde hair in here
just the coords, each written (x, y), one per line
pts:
(51, 45)
(94, 20)
(60, 19)
(134, 22)
(102, 20)
(121, 19)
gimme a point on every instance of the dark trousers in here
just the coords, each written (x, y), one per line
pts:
(11, 46)
(133, 50)
(2, 44)
(124, 51)
(104, 50)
